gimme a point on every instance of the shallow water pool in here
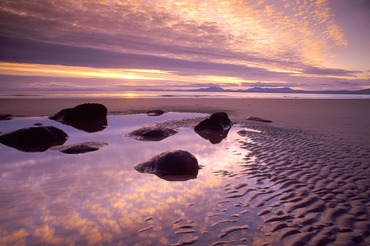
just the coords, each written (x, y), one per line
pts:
(98, 198)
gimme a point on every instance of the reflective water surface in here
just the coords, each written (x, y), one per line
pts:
(98, 198)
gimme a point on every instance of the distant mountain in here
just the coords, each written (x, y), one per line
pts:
(282, 90)
(272, 90)
(211, 89)
(269, 90)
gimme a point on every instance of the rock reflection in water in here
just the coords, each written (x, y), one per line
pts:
(98, 198)
(214, 137)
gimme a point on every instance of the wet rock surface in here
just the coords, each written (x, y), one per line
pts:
(216, 122)
(214, 128)
(151, 133)
(80, 148)
(175, 165)
(89, 117)
(6, 116)
(34, 139)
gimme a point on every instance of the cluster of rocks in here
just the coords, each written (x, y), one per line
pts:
(179, 165)
(172, 165)
(90, 117)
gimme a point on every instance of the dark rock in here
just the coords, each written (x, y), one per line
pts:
(154, 112)
(175, 165)
(89, 117)
(6, 116)
(215, 128)
(34, 139)
(151, 133)
(217, 122)
(37, 124)
(80, 148)
(258, 119)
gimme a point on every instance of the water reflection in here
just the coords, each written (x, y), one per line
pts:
(214, 137)
(98, 198)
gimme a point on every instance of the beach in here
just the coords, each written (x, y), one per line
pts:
(348, 118)
(304, 178)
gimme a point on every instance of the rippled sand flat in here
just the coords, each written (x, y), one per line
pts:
(319, 192)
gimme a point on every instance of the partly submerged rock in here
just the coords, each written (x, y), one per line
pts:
(156, 112)
(174, 165)
(6, 116)
(254, 118)
(151, 133)
(79, 148)
(89, 117)
(215, 128)
(34, 139)
(217, 122)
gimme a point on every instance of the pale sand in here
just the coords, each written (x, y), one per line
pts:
(348, 118)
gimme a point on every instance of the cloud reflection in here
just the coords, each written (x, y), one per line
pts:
(98, 198)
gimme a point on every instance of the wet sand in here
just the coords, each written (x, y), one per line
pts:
(320, 191)
(313, 164)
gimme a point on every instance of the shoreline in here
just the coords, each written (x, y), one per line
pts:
(347, 118)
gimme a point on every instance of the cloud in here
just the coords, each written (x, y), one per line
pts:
(239, 40)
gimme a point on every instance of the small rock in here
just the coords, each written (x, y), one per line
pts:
(154, 112)
(254, 118)
(151, 133)
(80, 148)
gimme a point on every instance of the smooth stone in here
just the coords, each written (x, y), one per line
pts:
(151, 133)
(80, 148)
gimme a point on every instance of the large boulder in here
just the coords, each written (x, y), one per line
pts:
(151, 133)
(34, 139)
(89, 117)
(215, 128)
(174, 165)
(80, 148)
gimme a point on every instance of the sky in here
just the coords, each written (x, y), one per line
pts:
(167, 44)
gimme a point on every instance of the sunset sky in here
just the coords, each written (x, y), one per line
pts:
(235, 44)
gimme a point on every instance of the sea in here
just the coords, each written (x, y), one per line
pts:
(166, 94)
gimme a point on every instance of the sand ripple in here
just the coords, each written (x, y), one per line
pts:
(319, 193)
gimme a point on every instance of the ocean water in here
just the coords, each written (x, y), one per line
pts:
(175, 94)
(97, 198)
